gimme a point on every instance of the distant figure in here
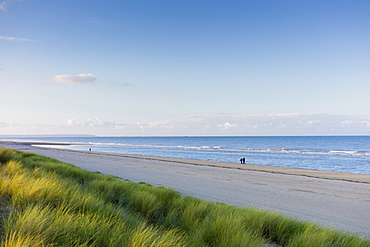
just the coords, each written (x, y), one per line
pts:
(243, 160)
(89, 149)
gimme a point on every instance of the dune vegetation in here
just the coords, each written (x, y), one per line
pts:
(45, 202)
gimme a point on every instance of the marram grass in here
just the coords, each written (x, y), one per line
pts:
(44, 202)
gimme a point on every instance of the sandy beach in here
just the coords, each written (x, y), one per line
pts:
(339, 200)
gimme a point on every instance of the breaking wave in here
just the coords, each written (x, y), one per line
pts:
(215, 148)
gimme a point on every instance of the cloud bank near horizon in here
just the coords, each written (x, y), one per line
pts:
(74, 79)
(217, 124)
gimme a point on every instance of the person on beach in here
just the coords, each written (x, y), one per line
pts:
(242, 160)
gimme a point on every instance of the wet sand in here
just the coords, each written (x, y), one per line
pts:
(339, 200)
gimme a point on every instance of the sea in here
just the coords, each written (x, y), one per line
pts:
(328, 153)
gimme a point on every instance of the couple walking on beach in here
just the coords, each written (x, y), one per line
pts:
(242, 160)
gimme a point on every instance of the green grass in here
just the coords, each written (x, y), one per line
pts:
(45, 202)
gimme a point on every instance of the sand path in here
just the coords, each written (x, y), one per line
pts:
(339, 200)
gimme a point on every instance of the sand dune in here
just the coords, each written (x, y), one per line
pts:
(340, 200)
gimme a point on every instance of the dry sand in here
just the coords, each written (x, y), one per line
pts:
(339, 200)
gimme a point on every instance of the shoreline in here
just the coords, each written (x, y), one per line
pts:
(341, 176)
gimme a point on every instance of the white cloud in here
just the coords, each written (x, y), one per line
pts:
(227, 125)
(3, 4)
(216, 124)
(74, 79)
(367, 123)
(244, 125)
(346, 122)
(313, 122)
(8, 38)
(233, 124)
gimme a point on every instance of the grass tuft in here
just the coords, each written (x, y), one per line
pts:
(6, 155)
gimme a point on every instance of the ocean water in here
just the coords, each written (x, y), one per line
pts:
(330, 153)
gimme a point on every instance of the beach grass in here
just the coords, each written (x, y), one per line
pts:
(45, 202)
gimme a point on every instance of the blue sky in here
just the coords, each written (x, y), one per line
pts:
(185, 67)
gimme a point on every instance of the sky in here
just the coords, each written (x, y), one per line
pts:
(190, 67)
